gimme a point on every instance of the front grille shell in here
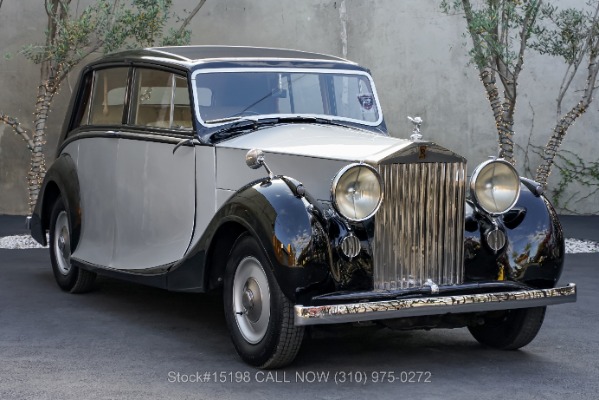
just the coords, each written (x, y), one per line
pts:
(419, 229)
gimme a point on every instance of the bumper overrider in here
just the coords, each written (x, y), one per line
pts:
(433, 305)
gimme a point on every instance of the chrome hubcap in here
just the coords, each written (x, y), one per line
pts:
(62, 243)
(251, 300)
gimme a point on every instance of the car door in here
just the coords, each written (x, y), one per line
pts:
(93, 146)
(155, 184)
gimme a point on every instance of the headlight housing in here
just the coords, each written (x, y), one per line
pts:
(495, 186)
(357, 192)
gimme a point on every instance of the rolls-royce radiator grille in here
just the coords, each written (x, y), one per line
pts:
(419, 229)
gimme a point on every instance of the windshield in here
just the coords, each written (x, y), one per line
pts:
(221, 96)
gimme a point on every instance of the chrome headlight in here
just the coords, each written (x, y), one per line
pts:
(357, 192)
(495, 186)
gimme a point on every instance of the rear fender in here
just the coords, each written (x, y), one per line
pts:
(60, 180)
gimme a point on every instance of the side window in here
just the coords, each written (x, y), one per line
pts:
(81, 113)
(161, 100)
(108, 96)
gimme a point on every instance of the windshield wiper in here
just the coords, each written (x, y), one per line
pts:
(313, 119)
(241, 125)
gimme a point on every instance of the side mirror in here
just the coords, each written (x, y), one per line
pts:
(255, 159)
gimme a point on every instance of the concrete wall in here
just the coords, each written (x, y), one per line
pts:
(414, 51)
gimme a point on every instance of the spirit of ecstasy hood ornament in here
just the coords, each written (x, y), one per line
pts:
(416, 136)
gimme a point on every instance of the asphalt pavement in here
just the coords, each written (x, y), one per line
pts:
(581, 226)
(125, 341)
(12, 225)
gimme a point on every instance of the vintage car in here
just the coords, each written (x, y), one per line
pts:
(334, 221)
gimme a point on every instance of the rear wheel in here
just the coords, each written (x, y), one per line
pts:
(509, 330)
(259, 316)
(69, 278)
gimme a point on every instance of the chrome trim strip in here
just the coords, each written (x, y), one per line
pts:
(413, 307)
(326, 57)
(130, 133)
(296, 70)
(407, 152)
(419, 229)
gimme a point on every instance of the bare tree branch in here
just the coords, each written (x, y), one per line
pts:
(505, 29)
(64, 70)
(114, 8)
(48, 8)
(16, 126)
(561, 128)
(567, 81)
(529, 21)
(190, 17)
(476, 39)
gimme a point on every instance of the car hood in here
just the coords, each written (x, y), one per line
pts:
(313, 154)
(320, 141)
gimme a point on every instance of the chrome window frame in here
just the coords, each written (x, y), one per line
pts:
(126, 95)
(134, 102)
(289, 70)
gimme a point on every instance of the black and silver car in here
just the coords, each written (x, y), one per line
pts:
(334, 221)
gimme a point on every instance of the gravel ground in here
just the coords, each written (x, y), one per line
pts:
(576, 246)
(19, 242)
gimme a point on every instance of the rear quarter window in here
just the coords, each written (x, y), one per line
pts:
(108, 97)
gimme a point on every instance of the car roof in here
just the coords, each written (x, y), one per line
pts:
(194, 57)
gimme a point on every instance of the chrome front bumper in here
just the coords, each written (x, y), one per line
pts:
(413, 307)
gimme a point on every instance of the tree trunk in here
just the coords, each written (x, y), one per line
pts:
(37, 172)
(502, 114)
(555, 141)
(487, 77)
(56, 11)
(506, 133)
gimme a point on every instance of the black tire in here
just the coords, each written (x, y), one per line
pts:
(511, 329)
(68, 277)
(264, 343)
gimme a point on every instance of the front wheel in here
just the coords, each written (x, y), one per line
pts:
(511, 329)
(69, 278)
(259, 316)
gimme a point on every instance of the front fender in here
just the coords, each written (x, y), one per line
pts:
(60, 180)
(534, 253)
(286, 225)
(536, 249)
